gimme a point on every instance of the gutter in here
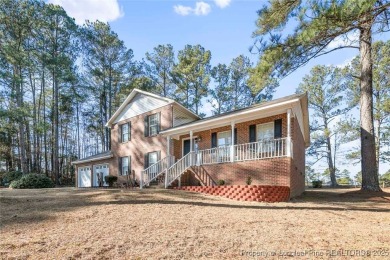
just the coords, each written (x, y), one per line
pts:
(92, 160)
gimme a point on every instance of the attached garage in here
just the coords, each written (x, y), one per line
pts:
(84, 177)
(89, 169)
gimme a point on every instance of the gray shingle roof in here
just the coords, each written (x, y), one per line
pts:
(94, 157)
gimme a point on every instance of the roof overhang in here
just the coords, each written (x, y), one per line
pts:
(93, 159)
(297, 103)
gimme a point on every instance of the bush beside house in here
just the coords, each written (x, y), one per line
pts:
(32, 181)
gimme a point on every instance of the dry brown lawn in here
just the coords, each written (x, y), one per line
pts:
(150, 224)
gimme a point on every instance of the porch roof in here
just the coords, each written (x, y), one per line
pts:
(95, 157)
(298, 103)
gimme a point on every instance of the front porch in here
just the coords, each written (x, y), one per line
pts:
(253, 148)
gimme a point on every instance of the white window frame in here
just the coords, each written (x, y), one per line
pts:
(127, 166)
(230, 135)
(149, 155)
(127, 133)
(262, 125)
(154, 126)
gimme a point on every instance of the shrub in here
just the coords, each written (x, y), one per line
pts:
(317, 184)
(110, 179)
(32, 181)
(11, 176)
(249, 180)
(221, 182)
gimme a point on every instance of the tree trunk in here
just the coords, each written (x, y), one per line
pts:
(370, 180)
(19, 100)
(55, 130)
(332, 170)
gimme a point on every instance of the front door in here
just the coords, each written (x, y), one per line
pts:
(186, 146)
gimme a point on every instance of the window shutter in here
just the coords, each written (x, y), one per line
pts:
(129, 130)
(146, 123)
(235, 136)
(120, 166)
(213, 140)
(252, 133)
(119, 133)
(146, 160)
(278, 128)
(158, 122)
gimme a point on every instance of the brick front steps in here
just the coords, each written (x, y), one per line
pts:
(244, 192)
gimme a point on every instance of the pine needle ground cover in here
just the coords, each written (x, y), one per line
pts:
(92, 223)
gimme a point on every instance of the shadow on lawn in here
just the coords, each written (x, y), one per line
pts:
(33, 206)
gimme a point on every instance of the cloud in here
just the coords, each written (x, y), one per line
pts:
(182, 10)
(222, 3)
(201, 8)
(81, 10)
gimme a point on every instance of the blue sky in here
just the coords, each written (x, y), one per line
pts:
(222, 26)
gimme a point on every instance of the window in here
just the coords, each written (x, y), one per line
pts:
(152, 158)
(265, 131)
(125, 165)
(153, 124)
(224, 138)
(125, 132)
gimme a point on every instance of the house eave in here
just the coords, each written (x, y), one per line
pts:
(238, 117)
(93, 159)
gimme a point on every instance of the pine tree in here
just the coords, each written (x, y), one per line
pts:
(159, 69)
(192, 76)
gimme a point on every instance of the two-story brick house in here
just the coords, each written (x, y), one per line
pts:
(157, 137)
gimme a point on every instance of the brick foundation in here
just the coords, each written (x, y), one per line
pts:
(260, 193)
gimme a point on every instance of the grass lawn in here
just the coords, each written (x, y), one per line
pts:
(125, 224)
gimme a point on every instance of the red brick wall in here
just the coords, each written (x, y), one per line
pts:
(139, 145)
(262, 172)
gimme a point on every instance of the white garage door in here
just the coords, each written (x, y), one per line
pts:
(84, 177)
(100, 169)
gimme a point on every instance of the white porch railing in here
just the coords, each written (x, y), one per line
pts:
(244, 152)
(214, 155)
(155, 170)
(180, 167)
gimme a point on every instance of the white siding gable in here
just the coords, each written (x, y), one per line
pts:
(140, 104)
(180, 117)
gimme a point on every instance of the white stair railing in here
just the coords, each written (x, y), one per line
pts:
(155, 170)
(180, 167)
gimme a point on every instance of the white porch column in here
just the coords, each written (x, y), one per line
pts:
(232, 145)
(168, 147)
(288, 144)
(191, 146)
(168, 160)
(191, 142)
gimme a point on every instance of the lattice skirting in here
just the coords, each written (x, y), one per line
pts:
(260, 193)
